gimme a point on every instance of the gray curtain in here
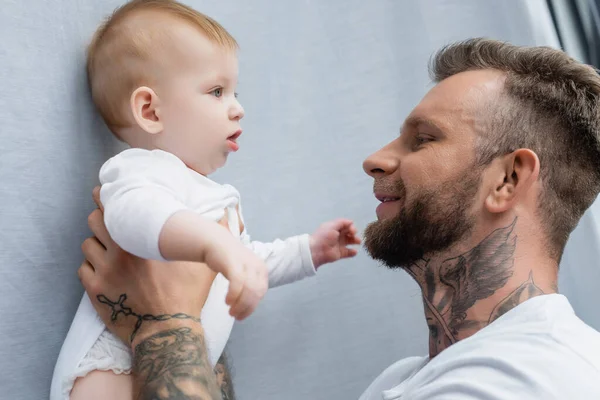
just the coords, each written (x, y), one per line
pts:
(578, 27)
(595, 33)
(324, 84)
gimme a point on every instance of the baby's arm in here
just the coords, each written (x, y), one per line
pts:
(287, 260)
(143, 194)
(298, 257)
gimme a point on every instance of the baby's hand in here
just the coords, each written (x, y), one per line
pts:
(330, 240)
(246, 273)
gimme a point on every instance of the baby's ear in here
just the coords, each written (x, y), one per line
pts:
(145, 104)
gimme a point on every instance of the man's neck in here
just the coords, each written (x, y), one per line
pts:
(467, 291)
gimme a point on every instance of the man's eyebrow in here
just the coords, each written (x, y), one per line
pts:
(416, 121)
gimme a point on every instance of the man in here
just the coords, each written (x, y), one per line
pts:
(491, 172)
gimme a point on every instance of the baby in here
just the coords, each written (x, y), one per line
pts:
(163, 77)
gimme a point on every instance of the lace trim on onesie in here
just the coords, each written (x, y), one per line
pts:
(107, 354)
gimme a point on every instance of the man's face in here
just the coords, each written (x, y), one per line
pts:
(427, 179)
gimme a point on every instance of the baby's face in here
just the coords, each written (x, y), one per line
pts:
(198, 105)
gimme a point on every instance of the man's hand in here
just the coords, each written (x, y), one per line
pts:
(330, 241)
(154, 307)
(124, 288)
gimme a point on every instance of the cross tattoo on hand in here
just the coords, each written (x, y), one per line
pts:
(117, 307)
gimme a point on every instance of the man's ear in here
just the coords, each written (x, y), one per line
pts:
(145, 106)
(515, 175)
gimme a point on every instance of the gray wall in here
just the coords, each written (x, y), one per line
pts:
(324, 84)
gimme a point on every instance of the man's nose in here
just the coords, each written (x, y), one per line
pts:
(236, 111)
(381, 163)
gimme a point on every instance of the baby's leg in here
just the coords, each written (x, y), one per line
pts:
(103, 385)
(103, 373)
(107, 351)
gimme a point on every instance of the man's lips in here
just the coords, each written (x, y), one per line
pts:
(386, 198)
(389, 204)
(232, 140)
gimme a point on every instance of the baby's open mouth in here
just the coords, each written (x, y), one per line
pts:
(232, 140)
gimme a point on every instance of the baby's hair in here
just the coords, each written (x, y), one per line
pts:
(125, 52)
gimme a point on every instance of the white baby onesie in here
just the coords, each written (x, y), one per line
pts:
(141, 190)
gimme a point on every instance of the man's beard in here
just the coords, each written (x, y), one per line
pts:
(434, 220)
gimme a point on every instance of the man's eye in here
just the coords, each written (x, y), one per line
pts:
(421, 140)
(218, 92)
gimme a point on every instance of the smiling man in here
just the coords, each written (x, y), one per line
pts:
(491, 173)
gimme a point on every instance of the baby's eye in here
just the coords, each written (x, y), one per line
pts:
(217, 92)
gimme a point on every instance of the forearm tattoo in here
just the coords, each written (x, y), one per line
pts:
(119, 307)
(223, 373)
(172, 365)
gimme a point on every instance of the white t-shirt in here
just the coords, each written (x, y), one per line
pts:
(540, 350)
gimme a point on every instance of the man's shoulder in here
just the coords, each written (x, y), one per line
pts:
(546, 327)
(543, 333)
(393, 376)
(549, 355)
(522, 366)
(540, 350)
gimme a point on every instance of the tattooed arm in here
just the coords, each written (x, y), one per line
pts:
(152, 306)
(172, 364)
(223, 374)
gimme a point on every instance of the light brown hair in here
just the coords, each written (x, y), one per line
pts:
(123, 56)
(550, 104)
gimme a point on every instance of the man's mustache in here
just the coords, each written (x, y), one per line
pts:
(389, 187)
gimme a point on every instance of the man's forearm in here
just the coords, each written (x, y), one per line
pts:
(223, 375)
(173, 364)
